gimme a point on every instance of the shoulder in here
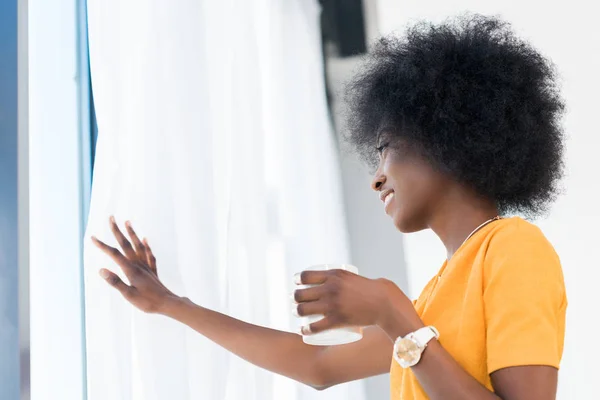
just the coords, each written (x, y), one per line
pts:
(519, 249)
(515, 236)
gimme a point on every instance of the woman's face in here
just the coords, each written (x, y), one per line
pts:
(408, 185)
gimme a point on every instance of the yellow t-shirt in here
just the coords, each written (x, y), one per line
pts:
(500, 302)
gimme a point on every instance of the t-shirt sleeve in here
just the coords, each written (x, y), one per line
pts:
(524, 300)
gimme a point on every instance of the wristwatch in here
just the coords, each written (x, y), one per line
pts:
(408, 349)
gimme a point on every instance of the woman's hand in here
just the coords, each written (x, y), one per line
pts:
(347, 299)
(145, 291)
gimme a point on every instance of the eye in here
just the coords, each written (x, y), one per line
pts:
(381, 148)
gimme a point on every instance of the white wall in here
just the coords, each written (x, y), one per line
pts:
(565, 32)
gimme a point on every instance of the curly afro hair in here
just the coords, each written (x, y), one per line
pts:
(479, 103)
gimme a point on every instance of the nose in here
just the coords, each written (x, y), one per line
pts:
(378, 181)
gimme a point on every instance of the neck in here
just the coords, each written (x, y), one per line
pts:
(457, 216)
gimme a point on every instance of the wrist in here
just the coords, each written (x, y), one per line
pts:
(397, 316)
(172, 304)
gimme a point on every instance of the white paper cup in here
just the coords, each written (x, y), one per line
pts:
(332, 336)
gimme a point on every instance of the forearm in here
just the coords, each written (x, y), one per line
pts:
(443, 378)
(279, 352)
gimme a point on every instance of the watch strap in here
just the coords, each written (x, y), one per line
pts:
(424, 335)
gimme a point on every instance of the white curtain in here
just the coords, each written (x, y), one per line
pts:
(214, 140)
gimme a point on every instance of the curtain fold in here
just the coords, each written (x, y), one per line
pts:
(214, 140)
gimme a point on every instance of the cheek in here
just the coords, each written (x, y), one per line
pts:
(409, 199)
(407, 184)
(414, 190)
(417, 186)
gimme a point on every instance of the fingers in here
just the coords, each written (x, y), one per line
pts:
(113, 280)
(140, 249)
(115, 254)
(312, 308)
(311, 277)
(150, 259)
(319, 326)
(122, 240)
(309, 294)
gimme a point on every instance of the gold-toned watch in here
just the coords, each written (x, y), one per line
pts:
(408, 349)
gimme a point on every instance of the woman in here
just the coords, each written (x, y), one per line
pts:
(461, 120)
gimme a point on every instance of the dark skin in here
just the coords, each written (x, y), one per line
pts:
(423, 198)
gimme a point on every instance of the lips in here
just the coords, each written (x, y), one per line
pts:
(383, 195)
(386, 196)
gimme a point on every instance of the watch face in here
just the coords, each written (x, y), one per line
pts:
(408, 352)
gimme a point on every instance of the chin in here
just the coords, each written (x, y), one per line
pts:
(405, 224)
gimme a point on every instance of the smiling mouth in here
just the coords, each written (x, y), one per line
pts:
(386, 197)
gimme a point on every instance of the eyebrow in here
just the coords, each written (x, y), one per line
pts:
(381, 132)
